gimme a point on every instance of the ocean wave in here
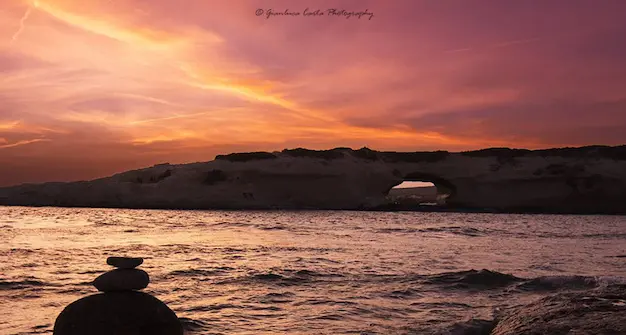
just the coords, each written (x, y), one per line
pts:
(75, 290)
(284, 277)
(607, 236)
(90, 272)
(473, 279)
(469, 327)
(455, 230)
(210, 308)
(611, 236)
(406, 285)
(17, 252)
(278, 279)
(327, 302)
(276, 298)
(194, 326)
(443, 304)
(487, 279)
(200, 272)
(570, 283)
(228, 225)
(22, 284)
(103, 224)
(272, 227)
(297, 249)
(403, 294)
(553, 283)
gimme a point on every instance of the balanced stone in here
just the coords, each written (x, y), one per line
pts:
(125, 262)
(110, 313)
(122, 280)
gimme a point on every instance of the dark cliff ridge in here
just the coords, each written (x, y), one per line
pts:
(588, 179)
(594, 151)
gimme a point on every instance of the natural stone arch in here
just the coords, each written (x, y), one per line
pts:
(443, 185)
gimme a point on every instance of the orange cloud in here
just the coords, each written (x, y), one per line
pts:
(9, 125)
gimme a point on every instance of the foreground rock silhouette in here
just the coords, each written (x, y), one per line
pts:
(125, 262)
(598, 311)
(122, 280)
(121, 308)
(601, 312)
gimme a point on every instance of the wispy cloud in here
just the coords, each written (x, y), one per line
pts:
(182, 116)
(22, 23)
(5, 144)
(147, 38)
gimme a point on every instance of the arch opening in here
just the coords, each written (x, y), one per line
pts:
(419, 190)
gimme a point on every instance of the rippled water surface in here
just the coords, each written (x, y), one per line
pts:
(317, 272)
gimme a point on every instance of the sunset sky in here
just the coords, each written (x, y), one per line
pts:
(93, 87)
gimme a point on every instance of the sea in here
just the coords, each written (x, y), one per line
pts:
(306, 272)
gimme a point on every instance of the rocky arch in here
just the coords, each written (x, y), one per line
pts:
(444, 186)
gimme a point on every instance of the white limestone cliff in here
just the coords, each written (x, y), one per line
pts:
(569, 180)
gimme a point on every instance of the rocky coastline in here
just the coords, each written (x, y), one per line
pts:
(586, 180)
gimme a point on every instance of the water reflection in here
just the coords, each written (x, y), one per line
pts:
(297, 272)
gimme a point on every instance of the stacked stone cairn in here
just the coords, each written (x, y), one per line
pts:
(124, 278)
(120, 308)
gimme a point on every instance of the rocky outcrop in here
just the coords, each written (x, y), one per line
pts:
(570, 180)
(118, 313)
(120, 309)
(600, 312)
(562, 305)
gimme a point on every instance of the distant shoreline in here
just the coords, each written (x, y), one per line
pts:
(388, 209)
(587, 180)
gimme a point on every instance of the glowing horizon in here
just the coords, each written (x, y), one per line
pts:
(89, 88)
